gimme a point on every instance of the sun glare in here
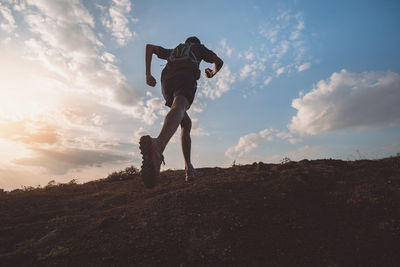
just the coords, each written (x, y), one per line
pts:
(24, 92)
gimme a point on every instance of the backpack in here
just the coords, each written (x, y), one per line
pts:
(182, 57)
(182, 53)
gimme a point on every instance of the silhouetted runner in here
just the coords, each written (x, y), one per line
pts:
(178, 84)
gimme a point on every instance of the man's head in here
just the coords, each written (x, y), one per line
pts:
(193, 40)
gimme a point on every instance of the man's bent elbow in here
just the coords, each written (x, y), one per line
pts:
(150, 47)
(219, 62)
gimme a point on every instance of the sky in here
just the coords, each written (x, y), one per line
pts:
(301, 79)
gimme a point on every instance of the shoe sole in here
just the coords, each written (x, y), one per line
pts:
(147, 171)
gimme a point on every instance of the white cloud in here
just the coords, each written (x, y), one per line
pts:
(149, 110)
(304, 67)
(249, 55)
(61, 90)
(64, 41)
(196, 129)
(267, 81)
(251, 69)
(197, 106)
(117, 21)
(348, 100)
(282, 50)
(218, 85)
(270, 32)
(225, 48)
(280, 71)
(245, 71)
(300, 21)
(7, 21)
(294, 35)
(59, 162)
(139, 133)
(251, 141)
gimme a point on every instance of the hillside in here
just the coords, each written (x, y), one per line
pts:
(307, 213)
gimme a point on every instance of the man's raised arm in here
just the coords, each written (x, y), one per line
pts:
(150, 50)
(218, 63)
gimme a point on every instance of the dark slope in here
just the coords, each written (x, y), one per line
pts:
(307, 213)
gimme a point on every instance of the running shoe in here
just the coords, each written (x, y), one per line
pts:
(190, 172)
(152, 159)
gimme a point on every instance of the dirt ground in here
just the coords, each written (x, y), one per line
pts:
(307, 213)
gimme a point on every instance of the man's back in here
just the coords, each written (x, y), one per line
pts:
(200, 52)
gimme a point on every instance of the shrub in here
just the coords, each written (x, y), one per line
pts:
(73, 182)
(126, 174)
(285, 160)
(51, 184)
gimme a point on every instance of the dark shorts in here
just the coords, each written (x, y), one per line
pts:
(184, 85)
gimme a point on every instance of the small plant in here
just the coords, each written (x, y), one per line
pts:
(28, 188)
(73, 182)
(51, 184)
(126, 174)
(285, 160)
(131, 171)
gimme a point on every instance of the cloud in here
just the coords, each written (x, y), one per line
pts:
(28, 132)
(139, 133)
(61, 51)
(267, 81)
(117, 19)
(283, 49)
(149, 110)
(59, 162)
(304, 67)
(225, 49)
(348, 100)
(251, 141)
(62, 38)
(251, 69)
(280, 50)
(280, 71)
(245, 71)
(63, 96)
(7, 21)
(294, 35)
(196, 129)
(218, 85)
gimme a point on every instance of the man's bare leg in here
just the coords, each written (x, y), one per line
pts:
(186, 141)
(152, 148)
(172, 120)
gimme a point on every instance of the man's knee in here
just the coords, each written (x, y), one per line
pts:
(180, 102)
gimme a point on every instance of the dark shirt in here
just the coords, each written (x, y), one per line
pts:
(201, 53)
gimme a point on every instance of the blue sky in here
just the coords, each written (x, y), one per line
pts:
(302, 79)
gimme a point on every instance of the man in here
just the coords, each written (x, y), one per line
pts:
(179, 84)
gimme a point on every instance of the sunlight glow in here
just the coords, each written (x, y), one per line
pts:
(24, 92)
